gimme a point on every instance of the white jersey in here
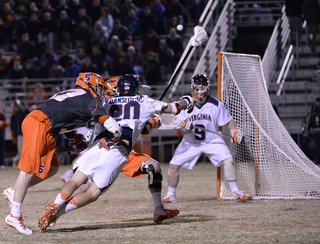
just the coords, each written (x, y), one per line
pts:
(209, 115)
(103, 166)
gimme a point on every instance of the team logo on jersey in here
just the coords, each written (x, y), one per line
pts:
(196, 117)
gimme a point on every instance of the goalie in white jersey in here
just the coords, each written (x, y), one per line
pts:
(208, 113)
(104, 160)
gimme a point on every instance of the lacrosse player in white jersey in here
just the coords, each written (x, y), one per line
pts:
(104, 160)
(208, 113)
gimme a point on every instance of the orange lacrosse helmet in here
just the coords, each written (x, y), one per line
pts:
(111, 87)
(92, 82)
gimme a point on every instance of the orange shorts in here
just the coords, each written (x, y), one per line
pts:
(38, 146)
(131, 168)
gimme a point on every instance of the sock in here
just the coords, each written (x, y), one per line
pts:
(69, 173)
(233, 185)
(72, 205)
(16, 209)
(156, 197)
(61, 198)
(171, 190)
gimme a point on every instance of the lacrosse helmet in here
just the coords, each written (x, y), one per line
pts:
(200, 79)
(111, 87)
(92, 82)
(128, 85)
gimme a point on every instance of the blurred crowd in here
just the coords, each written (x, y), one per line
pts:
(103, 34)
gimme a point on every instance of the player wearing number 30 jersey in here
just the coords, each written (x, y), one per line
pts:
(208, 113)
(66, 110)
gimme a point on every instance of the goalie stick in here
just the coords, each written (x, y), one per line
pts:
(199, 37)
(214, 132)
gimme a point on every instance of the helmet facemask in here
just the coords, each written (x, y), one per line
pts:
(200, 86)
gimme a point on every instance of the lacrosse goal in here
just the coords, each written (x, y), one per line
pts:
(269, 163)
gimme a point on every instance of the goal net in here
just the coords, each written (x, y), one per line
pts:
(269, 163)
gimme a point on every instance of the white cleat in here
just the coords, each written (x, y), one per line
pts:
(240, 195)
(17, 223)
(8, 195)
(169, 198)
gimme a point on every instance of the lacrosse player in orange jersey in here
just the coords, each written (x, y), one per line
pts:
(106, 162)
(64, 111)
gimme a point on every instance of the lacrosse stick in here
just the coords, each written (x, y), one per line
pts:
(199, 37)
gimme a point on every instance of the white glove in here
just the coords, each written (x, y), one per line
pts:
(189, 101)
(113, 127)
(237, 135)
(187, 126)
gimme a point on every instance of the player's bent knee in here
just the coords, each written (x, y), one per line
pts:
(173, 172)
(229, 169)
(155, 164)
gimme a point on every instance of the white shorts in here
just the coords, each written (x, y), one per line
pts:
(102, 166)
(187, 154)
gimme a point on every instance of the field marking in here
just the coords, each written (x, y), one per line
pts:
(272, 225)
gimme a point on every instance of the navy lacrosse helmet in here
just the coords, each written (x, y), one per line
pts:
(204, 81)
(128, 85)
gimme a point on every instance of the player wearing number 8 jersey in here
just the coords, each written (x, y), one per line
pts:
(65, 110)
(210, 114)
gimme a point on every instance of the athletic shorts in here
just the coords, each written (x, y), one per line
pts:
(38, 146)
(187, 154)
(133, 164)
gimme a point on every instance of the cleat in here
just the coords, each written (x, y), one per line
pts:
(50, 216)
(168, 214)
(17, 223)
(8, 195)
(242, 196)
(65, 179)
(55, 221)
(169, 199)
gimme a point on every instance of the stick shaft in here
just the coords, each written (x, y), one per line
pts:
(173, 77)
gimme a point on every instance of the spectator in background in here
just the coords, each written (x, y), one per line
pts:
(14, 32)
(82, 16)
(75, 5)
(133, 58)
(311, 11)
(26, 48)
(105, 69)
(113, 9)
(3, 125)
(96, 56)
(80, 54)
(37, 96)
(175, 10)
(16, 73)
(20, 111)
(49, 55)
(132, 22)
(40, 48)
(72, 69)
(64, 31)
(314, 126)
(44, 69)
(114, 46)
(127, 43)
(158, 10)
(106, 19)
(84, 33)
(94, 8)
(3, 65)
(294, 13)
(65, 57)
(33, 9)
(47, 8)
(119, 30)
(33, 27)
(195, 8)
(166, 58)
(121, 66)
(30, 71)
(100, 36)
(152, 69)
(62, 6)
(48, 27)
(126, 7)
(150, 44)
(148, 21)
(87, 66)
(21, 9)
(56, 71)
(174, 41)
